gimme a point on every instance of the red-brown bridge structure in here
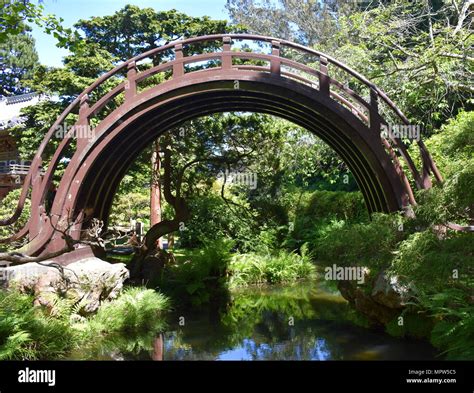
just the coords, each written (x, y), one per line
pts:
(132, 105)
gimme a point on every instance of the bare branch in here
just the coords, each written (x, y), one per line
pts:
(463, 15)
(92, 238)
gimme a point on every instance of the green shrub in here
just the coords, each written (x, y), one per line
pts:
(7, 208)
(434, 264)
(135, 310)
(368, 244)
(30, 332)
(336, 205)
(200, 277)
(453, 142)
(129, 324)
(316, 210)
(442, 273)
(212, 219)
(452, 201)
(453, 332)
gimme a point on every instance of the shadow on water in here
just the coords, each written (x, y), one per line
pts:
(305, 321)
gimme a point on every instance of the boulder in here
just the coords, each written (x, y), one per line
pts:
(388, 291)
(377, 313)
(381, 300)
(86, 282)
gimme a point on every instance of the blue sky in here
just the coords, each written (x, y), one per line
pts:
(73, 10)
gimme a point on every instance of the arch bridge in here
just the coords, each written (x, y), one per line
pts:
(127, 108)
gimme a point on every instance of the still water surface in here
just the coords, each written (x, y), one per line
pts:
(300, 322)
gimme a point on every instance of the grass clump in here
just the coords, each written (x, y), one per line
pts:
(136, 310)
(270, 268)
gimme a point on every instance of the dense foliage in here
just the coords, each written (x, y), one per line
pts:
(18, 61)
(418, 52)
(36, 333)
(9, 204)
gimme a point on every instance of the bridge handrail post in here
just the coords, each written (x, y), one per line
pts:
(36, 200)
(374, 116)
(83, 122)
(84, 109)
(178, 66)
(130, 84)
(323, 75)
(226, 58)
(275, 64)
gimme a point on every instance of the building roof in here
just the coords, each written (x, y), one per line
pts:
(20, 98)
(10, 108)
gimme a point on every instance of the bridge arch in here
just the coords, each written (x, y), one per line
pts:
(309, 96)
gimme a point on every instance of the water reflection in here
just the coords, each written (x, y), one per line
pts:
(300, 322)
(158, 344)
(312, 343)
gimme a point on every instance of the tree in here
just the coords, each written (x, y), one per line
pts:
(14, 14)
(308, 22)
(134, 30)
(419, 52)
(19, 59)
(199, 152)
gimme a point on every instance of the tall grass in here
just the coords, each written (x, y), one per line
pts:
(270, 268)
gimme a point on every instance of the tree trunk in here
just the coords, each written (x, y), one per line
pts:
(149, 252)
(170, 241)
(155, 189)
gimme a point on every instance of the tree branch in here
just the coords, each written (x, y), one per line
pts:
(463, 15)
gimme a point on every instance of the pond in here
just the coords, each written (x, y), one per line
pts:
(304, 321)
